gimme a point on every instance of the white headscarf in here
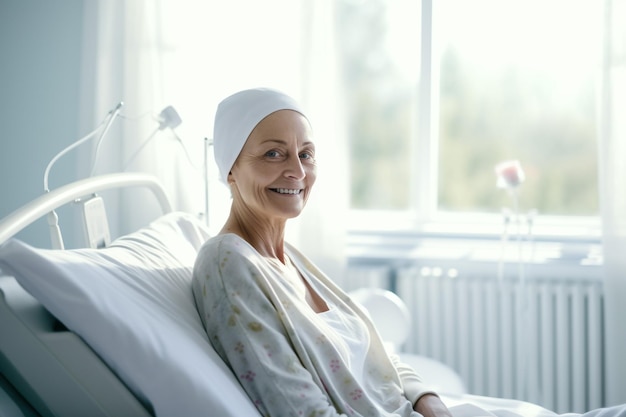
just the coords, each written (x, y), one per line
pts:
(236, 117)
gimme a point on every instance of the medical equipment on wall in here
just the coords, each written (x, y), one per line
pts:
(93, 210)
(53, 219)
(168, 118)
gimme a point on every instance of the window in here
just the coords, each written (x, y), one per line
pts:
(441, 91)
(379, 45)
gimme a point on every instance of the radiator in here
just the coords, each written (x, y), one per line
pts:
(537, 339)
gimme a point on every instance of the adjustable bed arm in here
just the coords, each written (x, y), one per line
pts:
(39, 207)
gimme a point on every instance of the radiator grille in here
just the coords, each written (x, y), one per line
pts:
(538, 340)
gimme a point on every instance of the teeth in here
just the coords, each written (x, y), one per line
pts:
(286, 191)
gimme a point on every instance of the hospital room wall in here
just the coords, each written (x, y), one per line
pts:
(40, 65)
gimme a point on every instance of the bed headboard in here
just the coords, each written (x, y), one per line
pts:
(45, 204)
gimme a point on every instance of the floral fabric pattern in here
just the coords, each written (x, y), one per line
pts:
(280, 350)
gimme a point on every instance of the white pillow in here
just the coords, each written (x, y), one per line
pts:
(133, 304)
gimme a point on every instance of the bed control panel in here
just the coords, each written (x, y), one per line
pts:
(95, 222)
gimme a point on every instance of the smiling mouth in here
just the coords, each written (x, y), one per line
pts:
(286, 191)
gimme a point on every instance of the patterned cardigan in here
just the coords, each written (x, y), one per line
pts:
(278, 347)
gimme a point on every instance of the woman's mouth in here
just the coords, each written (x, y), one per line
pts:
(287, 191)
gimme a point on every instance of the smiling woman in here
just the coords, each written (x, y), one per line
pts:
(278, 159)
(282, 326)
(265, 154)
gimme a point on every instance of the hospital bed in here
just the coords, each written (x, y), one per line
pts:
(112, 329)
(136, 345)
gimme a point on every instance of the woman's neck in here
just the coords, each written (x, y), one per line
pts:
(267, 238)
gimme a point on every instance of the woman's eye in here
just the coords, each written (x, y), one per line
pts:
(272, 154)
(306, 155)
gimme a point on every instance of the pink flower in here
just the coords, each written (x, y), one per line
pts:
(510, 174)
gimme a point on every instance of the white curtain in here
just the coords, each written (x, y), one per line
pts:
(613, 195)
(321, 232)
(190, 54)
(122, 63)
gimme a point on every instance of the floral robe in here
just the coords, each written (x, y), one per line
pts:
(279, 348)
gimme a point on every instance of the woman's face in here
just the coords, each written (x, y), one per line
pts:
(275, 171)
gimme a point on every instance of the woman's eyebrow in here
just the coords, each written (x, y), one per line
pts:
(279, 141)
(284, 142)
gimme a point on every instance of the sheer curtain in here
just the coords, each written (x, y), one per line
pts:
(321, 232)
(191, 54)
(121, 63)
(613, 195)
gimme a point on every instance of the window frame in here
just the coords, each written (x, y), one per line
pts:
(578, 236)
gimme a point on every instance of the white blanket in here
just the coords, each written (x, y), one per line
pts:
(476, 406)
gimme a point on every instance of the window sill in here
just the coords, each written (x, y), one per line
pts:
(552, 242)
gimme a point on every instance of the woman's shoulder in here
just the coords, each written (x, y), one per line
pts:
(223, 243)
(224, 249)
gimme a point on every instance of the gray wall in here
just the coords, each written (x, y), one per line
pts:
(40, 75)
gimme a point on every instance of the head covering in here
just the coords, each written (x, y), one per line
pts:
(236, 117)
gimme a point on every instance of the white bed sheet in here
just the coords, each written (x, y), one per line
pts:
(467, 405)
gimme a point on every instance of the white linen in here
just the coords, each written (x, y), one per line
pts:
(132, 303)
(466, 405)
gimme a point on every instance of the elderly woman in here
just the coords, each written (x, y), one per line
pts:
(296, 342)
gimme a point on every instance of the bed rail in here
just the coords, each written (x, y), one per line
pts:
(41, 206)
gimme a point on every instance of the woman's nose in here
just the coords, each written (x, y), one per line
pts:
(294, 168)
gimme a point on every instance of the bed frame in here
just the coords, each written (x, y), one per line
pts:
(45, 369)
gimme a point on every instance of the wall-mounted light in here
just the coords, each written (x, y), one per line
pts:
(168, 118)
